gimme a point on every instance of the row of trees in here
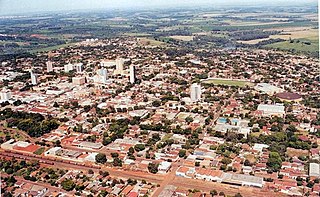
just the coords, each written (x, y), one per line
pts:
(34, 124)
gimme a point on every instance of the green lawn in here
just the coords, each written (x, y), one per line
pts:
(39, 151)
(227, 82)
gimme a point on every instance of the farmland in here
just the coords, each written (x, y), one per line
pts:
(249, 28)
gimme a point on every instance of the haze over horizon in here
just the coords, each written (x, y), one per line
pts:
(8, 7)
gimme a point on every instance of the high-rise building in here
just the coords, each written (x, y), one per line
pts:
(195, 92)
(49, 66)
(79, 67)
(119, 65)
(5, 95)
(68, 67)
(34, 79)
(102, 76)
(104, 73)
(132, 74)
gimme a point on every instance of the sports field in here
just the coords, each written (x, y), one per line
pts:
(227, 82)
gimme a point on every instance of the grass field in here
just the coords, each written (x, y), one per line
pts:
(298, 33)
(39, 151)
(305, 39)
(227, 82)
(298, 47)
(247, 23)
(50, 48)
(183, 38)
(150, 41)
(137, 34)
(253, 41)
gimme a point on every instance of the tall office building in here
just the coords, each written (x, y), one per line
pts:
(34, 79)
(79, 67)
(49, 66)
(5, 95)
(195, 92)
(132, 74)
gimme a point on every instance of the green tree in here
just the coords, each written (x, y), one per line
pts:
(189, 119)
(101, 158)
(182, 153)
(238, 195)
(103, 193)
(153, 168)
(68, 185)
(117, 162)
(156, 103)
(274, 161)
(139, 147)
(213, 192)
(113, 155)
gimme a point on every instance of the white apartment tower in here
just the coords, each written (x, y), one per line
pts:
(195, 92)
(5, 95)
(103, 72)
(102, 76)
(132, 74)
(119, 65)
(79, 67)
(49, 66)
(68, 67)
(34, 79)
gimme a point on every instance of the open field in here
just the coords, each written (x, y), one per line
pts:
(136, 34)
(183, 38)
(296, 34)
(291, 152)
(51, 48)
(300, 46)
(227, 82)
(287, 34)
(251, 158)
(303, 39)
(150, 41)
(256, 41)
(247, 23)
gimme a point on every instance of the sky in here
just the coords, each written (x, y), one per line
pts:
(32, 6)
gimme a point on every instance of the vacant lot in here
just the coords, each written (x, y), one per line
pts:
(296, 152)
(227, 82)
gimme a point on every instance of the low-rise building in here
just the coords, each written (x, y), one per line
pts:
(272, 110)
